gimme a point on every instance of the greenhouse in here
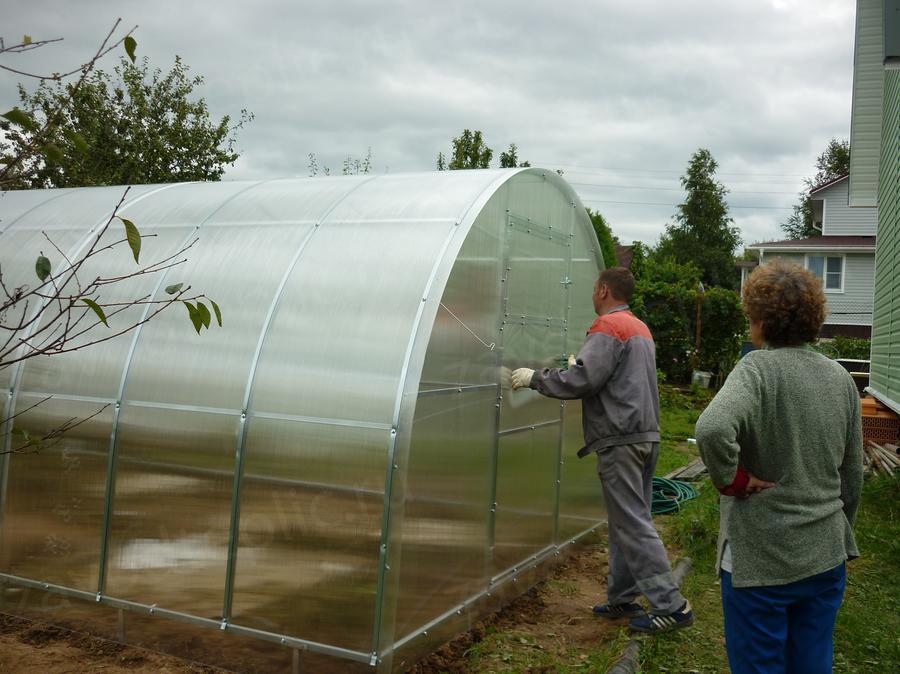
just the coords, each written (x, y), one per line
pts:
(339, 476)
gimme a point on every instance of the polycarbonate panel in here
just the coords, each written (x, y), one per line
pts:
(447, 505)
(466, 325)
(288, 201)
(55, 497)
(97, 370)
(76, 208)
(415, 197)
(171, 508)
(26, 200)
(538, 274)
(337, 342)
(534, 346)
(184, 204)
(586, 265)
(526, 495)
(580, 494)
(215, 365)
(310, 527)
(529, 197)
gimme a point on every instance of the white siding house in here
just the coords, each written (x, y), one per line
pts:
(843, 257)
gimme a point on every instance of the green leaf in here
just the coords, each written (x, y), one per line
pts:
(174, 289)
(77, 140)
(195, 316)
(133, 235)
(204, 314)
(42, 268)
(22, 118)
(217, 312)
(130, 45)
(97, 310)
(52, 152)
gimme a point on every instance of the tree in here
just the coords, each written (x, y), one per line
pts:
(834, 162)
(469, 152)
(703, 232)
(137, 126)
(605, 237)
(510, 158)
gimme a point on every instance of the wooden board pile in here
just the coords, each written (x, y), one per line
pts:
(880, 458)
(695, 470)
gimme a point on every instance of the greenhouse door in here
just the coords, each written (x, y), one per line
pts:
(536, 281)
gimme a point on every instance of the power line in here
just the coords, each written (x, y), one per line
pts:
(576, 167)
(672, 189)
(660, 203)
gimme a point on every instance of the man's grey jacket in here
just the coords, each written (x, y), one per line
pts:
(615, 377)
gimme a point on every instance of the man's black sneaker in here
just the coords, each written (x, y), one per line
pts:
(615, 611)
(653, 623)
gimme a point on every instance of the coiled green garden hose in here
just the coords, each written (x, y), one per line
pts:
(668, 495)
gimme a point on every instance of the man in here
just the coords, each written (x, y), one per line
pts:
(614, 375)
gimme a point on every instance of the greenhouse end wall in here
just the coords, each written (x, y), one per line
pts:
(341, 470)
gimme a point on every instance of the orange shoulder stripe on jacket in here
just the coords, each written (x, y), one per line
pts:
(623, 325)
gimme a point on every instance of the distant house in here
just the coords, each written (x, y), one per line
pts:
(843, 257)
(624, 255)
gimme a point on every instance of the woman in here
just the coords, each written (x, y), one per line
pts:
(783, 444)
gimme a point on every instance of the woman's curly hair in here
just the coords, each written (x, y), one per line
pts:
(787, 301)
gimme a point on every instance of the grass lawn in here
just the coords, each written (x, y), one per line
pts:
(867, 638)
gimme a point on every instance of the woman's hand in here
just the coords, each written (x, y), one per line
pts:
(754, 486)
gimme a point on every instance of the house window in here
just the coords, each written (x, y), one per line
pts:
(828, 268)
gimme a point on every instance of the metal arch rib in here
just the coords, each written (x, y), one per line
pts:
(126, 370)
(464, 223)
(231, 563)
(18, 368)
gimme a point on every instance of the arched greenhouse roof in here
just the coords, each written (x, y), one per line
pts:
(344, 439)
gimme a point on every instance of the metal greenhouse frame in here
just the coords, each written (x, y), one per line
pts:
(340, 474)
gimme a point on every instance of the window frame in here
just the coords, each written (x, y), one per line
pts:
(825, 256)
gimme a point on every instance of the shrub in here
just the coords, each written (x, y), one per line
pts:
(666, 300)
(845, 347)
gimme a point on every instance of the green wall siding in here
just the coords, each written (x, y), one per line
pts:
(885, 378)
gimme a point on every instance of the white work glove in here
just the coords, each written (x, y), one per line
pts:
(521, 378)
(572, 360)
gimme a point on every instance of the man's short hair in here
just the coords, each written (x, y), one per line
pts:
(620, 282)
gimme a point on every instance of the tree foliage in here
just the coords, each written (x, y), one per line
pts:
(834, 162)
(136, 126)
(703, 233)
(666, 298)
(510, 158)
(470, 152)
(605, 237)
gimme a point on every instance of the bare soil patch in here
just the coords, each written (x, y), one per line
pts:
(552, 620)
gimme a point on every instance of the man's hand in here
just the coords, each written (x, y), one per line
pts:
(521, 378)
(754, 486)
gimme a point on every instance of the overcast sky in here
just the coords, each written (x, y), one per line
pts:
(617, 93)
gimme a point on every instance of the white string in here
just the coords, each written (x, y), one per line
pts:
(459, 320)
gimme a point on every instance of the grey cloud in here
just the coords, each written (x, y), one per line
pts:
(639, 85)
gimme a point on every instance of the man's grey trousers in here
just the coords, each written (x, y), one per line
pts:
(638, 563)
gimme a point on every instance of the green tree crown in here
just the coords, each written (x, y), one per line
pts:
(137, 126)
